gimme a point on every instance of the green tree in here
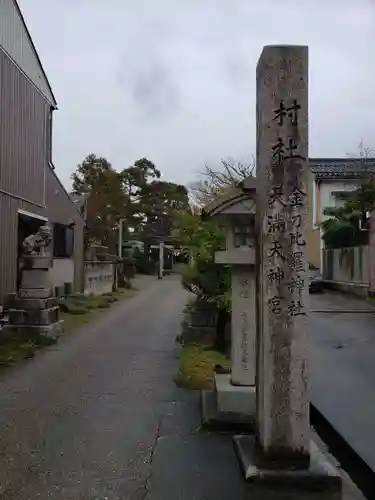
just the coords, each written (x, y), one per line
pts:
(199, 240)
(344, 226)
(135, 180)
(161, 202)
(106, 203)
(146, 204)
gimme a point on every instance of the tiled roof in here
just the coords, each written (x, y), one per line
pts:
(341, 168)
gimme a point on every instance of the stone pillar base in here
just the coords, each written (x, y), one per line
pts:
(29, 332)
(37, 293)
(33, 303)
(213, 418)
(234, 398)
(320, 480)
(228, 406)
(34, 316)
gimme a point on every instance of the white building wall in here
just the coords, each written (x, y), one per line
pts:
(328, 199)
(14, 40)
(327, 190)
(62, 271)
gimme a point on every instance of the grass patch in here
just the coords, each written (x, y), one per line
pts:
(197, 365)
(14, 349)
(92, 307)
(82, 311)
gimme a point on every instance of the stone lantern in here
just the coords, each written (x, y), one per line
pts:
(235, 210)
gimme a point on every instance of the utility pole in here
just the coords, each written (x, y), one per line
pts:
(161, 260)
(120, 236)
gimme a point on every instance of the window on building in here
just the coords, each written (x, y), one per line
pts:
(63, 241)
(243, 233)
(340, 197)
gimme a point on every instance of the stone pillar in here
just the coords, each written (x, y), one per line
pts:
(282, 155)
(243, 326)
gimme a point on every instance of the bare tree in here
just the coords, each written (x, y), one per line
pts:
(366, 160)
(213, 182)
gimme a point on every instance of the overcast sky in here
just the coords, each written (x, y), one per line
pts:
(174, 80)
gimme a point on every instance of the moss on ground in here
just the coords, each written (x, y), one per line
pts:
(197, 364)
(13, 349)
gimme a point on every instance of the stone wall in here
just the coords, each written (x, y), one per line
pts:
(99, 277)
(200, 323)
(347, 269)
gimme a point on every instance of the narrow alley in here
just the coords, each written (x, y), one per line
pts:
(83, 419)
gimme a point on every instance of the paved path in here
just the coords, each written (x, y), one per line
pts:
(342, 344)
(98, 416)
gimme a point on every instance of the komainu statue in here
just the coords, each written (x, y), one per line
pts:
(38, 243)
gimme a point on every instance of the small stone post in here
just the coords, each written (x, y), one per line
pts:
(243, 326)
(282, 155)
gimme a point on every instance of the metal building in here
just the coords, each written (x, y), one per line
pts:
(30, 191)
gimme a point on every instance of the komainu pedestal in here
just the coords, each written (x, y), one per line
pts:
(35, 311)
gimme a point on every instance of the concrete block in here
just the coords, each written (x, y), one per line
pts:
(234, 398)
(33, 331)
(320, 478)
(236, 256)
(34, 316)
(37, 262)
(35, 278)
(223, 421)
(37, 293)
(20, 303)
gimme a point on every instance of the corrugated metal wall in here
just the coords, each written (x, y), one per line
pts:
(59, 209)
(23, 134)
(9, 240)
(23, 157)
(15, 41)
(25, 174)
(8, 244)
